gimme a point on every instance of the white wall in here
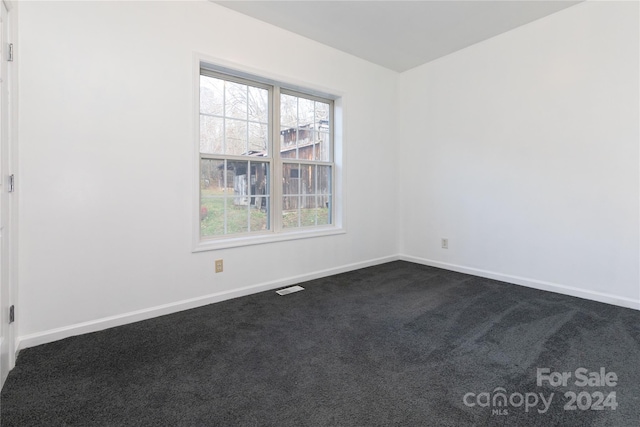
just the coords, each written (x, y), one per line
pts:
(523, 151)
(106, 154)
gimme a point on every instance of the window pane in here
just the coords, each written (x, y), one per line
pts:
(241, 205)
(236, 137)
(308, 211)
(211, 95)
(290, 214)
(237, 215)
(304, 130)
(322, 116)
(212, 217)
(323, 147)
(258, 180)
(211, 135)
(324, 179)
(289, 154)
(236, 100)
(212, 177)
(237, 175)
(258, 139)
(324, 210)
(288, 137)
(259, 214)
(290, 178)
(258, 104)
(306, 112)
(305, 144)
(237, 206)
(312, 206)
(308, 182)
(288, 111)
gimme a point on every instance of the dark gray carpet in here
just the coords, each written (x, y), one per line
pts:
(396, 344)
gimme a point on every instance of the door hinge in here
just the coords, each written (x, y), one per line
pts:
(12, 181)
(10, 54)
(12, 314)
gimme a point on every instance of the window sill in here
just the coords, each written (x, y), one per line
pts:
(259, 239)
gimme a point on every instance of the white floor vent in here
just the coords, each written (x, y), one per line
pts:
(290, 290)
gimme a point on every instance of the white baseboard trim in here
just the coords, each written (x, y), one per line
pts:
(56, 334)
(530, 283)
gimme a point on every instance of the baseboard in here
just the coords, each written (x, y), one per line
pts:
(51, 335)
(530, 283)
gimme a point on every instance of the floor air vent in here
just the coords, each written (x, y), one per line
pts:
(290, 290)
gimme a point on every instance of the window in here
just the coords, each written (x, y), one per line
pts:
(306, 154)
(266, 159)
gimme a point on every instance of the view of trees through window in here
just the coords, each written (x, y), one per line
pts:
(237, 162)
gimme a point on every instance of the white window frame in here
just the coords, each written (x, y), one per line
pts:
(277, 232)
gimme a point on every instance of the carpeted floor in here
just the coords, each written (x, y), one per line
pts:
(396, 344)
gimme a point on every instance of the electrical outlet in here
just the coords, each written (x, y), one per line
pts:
(445, 243)
(219, 266)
